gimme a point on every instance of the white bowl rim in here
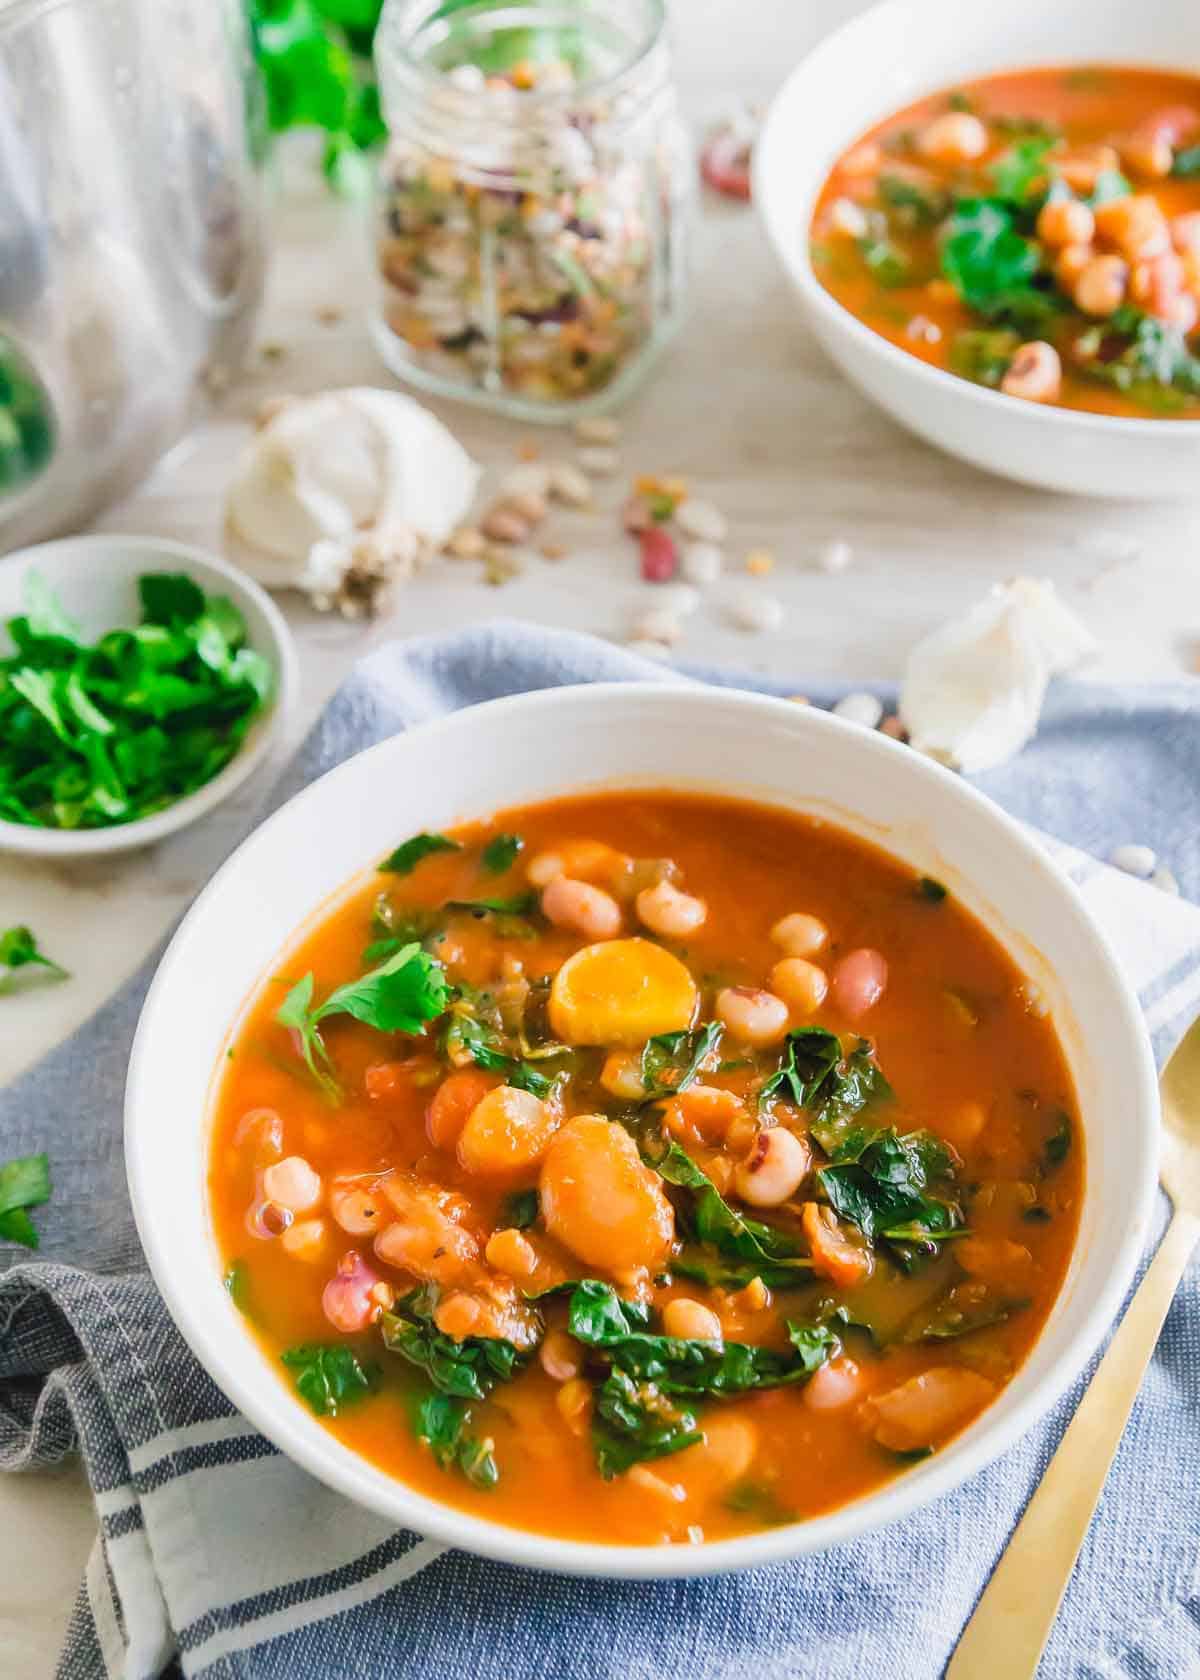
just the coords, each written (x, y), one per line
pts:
(796, 259)
(343, 1470)
(94, 842)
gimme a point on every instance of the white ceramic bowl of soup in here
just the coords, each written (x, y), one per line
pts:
(884, 60)
(567, 741)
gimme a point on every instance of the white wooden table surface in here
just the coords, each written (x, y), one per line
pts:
(749, 410)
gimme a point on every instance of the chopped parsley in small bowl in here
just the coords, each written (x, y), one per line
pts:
(141, 682)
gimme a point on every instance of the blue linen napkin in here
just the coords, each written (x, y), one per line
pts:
(217, 1558)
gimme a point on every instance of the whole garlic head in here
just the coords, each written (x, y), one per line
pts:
(353, 484)
(973, 691)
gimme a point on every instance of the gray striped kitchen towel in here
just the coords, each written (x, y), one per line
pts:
(219, 1559)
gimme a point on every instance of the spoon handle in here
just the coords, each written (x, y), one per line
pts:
(1005, 1637)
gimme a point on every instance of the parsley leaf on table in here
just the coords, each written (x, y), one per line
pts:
(24, 1184)
(19, 949)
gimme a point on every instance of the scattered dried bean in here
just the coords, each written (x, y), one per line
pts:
(701, 521)
(701, 563)
(753, 609)
(860, 707)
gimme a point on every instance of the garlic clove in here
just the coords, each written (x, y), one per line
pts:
(429, 480)
(973, 691)
(328, 473)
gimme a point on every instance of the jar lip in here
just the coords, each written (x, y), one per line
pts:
(403, 22)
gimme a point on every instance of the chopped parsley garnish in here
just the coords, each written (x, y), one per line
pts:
(762, 1503)
(237, 1285)
(520, 904)
(993, 267)
(519, 1209)
(511, 918)
(24, 1184)
(98, 734)
(328, 1376)
(933, 892)
(400, 996)
(1019, 174)
(501, 852)
(886, 261)
(1058, 1145)
(407, 856)
(965, 1308)
(918, 204)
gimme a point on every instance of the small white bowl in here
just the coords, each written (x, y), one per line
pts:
(95, 578)
(877, 64)
(564, 741)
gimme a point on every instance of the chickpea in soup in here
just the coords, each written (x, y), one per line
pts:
(1037, 232)
(646, 1168)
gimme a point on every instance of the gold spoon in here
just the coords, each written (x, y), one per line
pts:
(1005, 1637)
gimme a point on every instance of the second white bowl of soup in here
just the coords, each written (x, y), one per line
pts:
(1082, 84)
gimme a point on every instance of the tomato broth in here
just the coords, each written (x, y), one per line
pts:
(1037, 232)
(646, 1168)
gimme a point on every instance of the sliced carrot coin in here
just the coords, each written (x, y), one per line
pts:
(621, 992)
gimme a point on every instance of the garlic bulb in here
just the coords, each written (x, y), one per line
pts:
(343, 494)
(973, 691)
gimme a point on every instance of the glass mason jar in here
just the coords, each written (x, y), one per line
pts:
(533, 199)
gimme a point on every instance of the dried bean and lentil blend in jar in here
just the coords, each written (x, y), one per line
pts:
(530, 239)
(1037, 232)
(646, 1168)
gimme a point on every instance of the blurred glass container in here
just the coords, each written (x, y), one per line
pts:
(533, 199)
(132, 240)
